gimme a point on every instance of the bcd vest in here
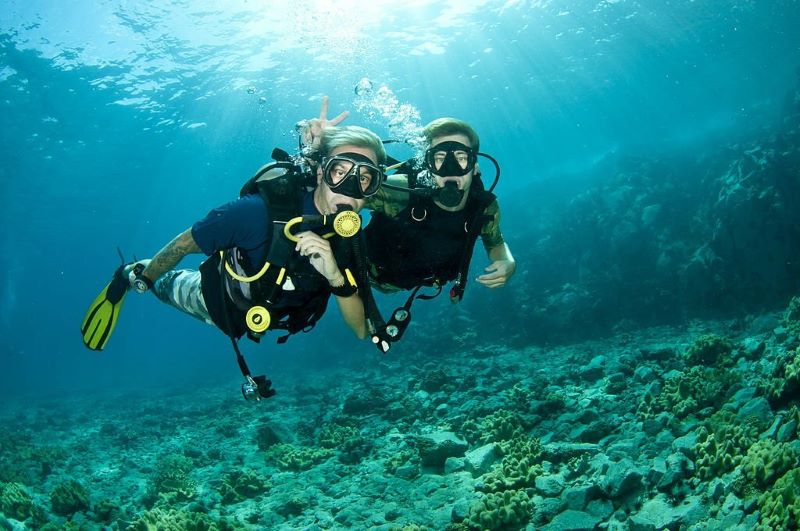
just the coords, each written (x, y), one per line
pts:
(424, 244)
(290, 289)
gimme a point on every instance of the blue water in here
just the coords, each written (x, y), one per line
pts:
(123, 123)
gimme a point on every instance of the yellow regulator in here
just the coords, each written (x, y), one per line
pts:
(346, 223)
(257, 319)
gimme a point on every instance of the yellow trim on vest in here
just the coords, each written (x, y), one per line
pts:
(241, 278)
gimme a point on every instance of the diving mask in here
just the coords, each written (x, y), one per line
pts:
(352, 174)
(450, 159)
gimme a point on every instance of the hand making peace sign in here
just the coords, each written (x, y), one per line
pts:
(312, 132)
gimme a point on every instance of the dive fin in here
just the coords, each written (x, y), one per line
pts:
(101, 318)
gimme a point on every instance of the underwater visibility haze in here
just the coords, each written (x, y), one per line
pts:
(639, 371)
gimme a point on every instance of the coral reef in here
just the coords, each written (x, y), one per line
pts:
(519, 467)
(347, 440)
(780, 506)
(766, 461)
(501, 425)
(710, 350)
(69, 497)
(506, 510)
(689, 392)
(180, 520)
(297, 458)
(170, 481)
(240, 485)
(791, 317)
(722, 444)
(15, 502)
(549, 446)
(784, 385)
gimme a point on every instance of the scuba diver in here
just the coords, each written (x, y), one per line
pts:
(433, 228)
(275, 254)
(426, 220)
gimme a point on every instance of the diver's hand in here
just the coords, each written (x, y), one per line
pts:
(312, 133)
(319, 253)
(497, 273)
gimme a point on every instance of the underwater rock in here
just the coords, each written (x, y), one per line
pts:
(365, 402)
(453, 465)
(651, 427)
(657, 514)
(644, 374)
(716, 490)
(753, 347)
(758, 410)
(578, 497)
(435, 448)
(481, 459)
(270, 434)
(787, 431)
(550, 485)
(622, 479)
(677, 468)
(460, 509)
(563, 451)
(571, 520)
(594, 369)
(601, 508)
(657, 352)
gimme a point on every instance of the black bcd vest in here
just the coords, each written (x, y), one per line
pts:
(281, 185)
(424, 244)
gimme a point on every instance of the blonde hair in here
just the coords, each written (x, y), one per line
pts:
(451, 126)
(351, 135)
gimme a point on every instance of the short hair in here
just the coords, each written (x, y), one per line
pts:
(351, 135)
(451, 126)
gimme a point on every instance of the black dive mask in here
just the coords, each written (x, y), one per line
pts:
(450, 159)
(352, 174)
(449, 195)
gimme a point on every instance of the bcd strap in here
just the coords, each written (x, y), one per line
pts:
(375, 322)
(475, 220)
(254, 387)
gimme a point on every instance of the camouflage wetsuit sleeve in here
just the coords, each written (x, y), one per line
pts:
(490, 232)
(390, 202)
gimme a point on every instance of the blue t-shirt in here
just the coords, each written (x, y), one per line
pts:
(242, 223)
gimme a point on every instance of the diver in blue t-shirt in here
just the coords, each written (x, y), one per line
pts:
(273, 260)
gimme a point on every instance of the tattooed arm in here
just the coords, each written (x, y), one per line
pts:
(171, 254)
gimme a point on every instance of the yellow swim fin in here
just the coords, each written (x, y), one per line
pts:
(101, 318)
